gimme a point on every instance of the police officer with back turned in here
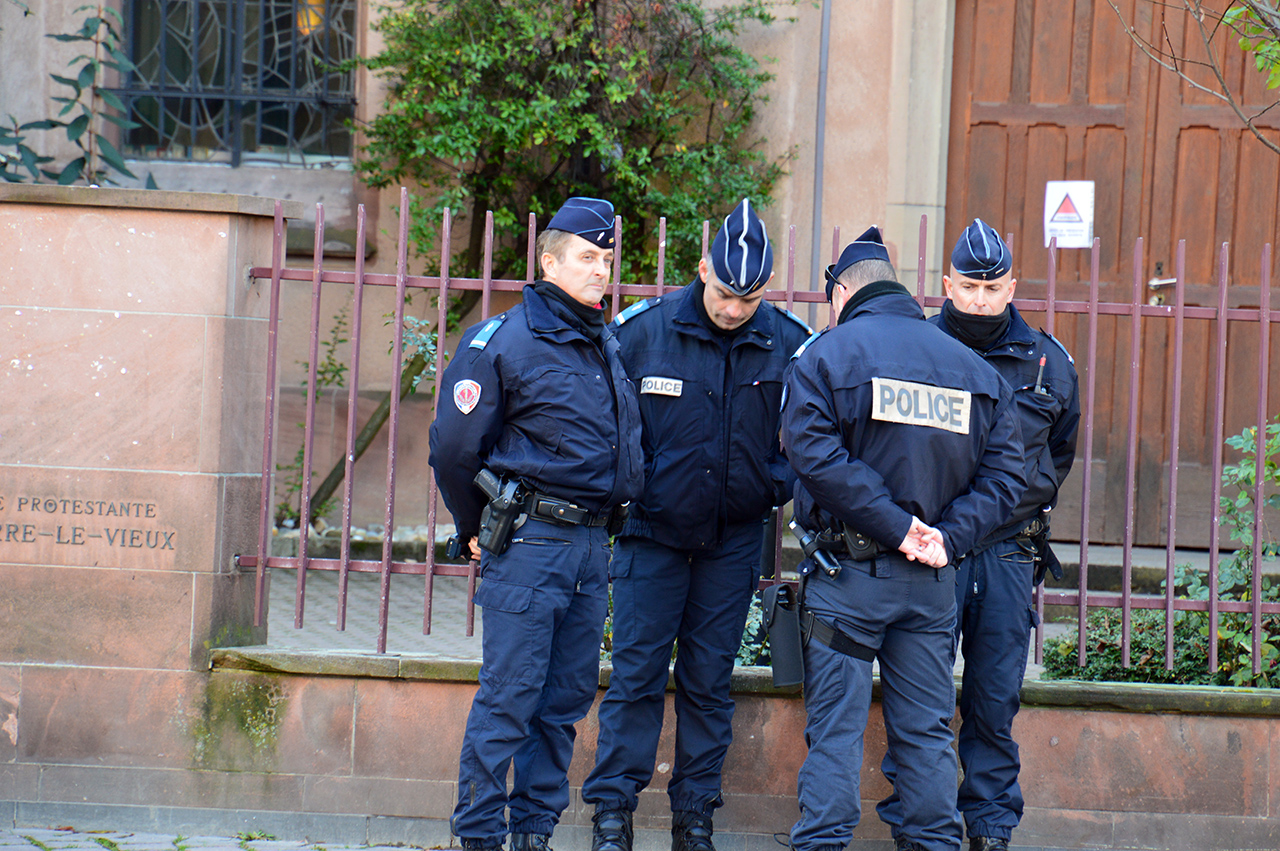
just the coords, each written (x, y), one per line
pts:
(908, 453)
(709, 360)
(994, 590)
(536, 445)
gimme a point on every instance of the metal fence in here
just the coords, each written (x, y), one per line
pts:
(1081, 598)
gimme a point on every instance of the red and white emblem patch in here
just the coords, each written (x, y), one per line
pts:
(466, 395)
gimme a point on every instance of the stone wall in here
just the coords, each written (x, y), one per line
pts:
(133, 383)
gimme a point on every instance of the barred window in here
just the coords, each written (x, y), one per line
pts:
(239, 80)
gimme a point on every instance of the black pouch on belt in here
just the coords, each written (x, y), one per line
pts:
(782, 618)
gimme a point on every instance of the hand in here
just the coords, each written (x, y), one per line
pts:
(924, 544)
(474, 544)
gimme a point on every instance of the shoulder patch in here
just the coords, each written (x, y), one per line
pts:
(1070, 359)
(636, 309)
(796, 319)
(482, 337)
(815, 335)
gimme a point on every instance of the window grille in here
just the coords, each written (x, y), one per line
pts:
(239, 80)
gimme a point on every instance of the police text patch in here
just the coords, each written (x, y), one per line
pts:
(661, 386)
(907, 402)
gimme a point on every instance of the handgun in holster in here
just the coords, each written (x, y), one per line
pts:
(500, 516)
(1045, 559)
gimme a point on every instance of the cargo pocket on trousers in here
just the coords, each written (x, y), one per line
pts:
(503, 596)
(507, 658)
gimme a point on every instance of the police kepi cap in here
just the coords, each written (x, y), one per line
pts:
(980, 253)
(740, 253)
(869, 246)
(589, 218)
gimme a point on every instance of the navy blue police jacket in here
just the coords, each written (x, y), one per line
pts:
(1047, 404)
(710, 420)
(886, 417)
(529, 396)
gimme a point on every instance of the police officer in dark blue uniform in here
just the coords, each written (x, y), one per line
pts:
(538, 405)
(709, 361)
(994, 590)
(908, 453)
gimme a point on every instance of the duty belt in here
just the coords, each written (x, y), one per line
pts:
(849, 544)
(564, 512)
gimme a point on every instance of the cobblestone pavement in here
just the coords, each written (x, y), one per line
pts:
(67, 839)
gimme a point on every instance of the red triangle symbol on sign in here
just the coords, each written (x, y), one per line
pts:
(1066, 212)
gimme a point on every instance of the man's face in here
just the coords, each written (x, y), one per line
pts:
(583, 271)
(726, 309)
(971, 295)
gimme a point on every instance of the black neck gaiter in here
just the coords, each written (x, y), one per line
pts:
(977, 331)
(865, 294)
(586, 318)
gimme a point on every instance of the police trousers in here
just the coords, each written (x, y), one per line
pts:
(994, 620)
(544, 603)
(696, 600)
(906, 613)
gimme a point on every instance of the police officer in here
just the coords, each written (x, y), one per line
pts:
(993, 593)
(538, 397)
(709, 361)
(907, 451)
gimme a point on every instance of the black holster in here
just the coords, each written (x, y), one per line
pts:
(498, 519)
(1046, 561)
(786, 646)
(618, 519)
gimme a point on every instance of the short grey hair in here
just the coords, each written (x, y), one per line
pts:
(866, 272)
(553, 242)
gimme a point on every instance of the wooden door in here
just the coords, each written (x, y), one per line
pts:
(1053, 90)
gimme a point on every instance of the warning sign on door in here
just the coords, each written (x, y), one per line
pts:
(1068, 213)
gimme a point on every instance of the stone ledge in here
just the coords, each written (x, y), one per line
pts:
(146, 199)
(1074, 694)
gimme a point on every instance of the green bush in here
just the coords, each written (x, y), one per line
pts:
(1103, 656)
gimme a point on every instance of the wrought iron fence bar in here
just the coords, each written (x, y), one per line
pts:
(1131, 460)
(1116, 599)
(1175, 434)
(1051, 285)
(616, 273)
(393, 424)
(1260, 453)
(304, 508)
(353, 398)
(486, 274)
(442, 315)
(660, 278)
(531, 259)
(1219, 420)
(408, 568)
(791, 268)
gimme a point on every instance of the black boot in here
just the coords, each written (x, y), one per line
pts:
(988, 843)
(611, 830)
(691, 832)
(904, 844)
(530, 842)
